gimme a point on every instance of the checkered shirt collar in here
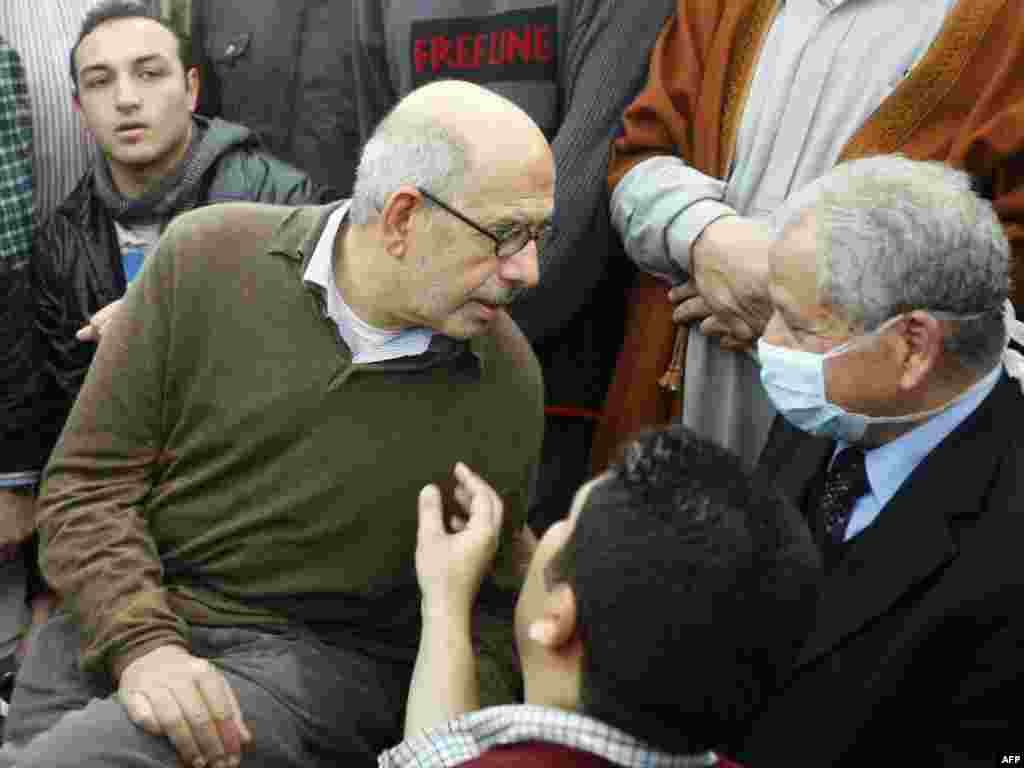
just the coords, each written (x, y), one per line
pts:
(469, 736)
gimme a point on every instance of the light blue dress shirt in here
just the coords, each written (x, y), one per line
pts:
(888, 466)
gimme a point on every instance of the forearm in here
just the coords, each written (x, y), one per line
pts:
(444, 680)
(101, 561)
(96, 550)
(96, 547)
(660, 208)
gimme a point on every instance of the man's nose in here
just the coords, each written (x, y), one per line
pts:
(126, 94)
(523, 267)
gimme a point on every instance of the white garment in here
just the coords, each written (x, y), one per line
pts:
(136, 242)
(823, 69)
(367, 343)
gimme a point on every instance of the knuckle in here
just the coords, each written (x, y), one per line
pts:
(199, 716)
(173, 721)
(134, 713)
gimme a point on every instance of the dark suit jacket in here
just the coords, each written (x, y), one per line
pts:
(918, 647)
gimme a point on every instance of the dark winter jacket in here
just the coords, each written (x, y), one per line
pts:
(77, 269)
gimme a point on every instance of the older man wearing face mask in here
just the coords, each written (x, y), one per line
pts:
(887, 355)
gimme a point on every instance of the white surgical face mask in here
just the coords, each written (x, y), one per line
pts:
(795, 383)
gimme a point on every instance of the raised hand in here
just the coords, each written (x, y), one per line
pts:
(450, 566)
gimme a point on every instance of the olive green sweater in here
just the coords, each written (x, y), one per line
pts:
(226, 463)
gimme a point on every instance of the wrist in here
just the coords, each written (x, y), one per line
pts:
(119, 665)
(706, 241)
(446, 611)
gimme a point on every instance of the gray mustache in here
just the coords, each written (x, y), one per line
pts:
(502, 299)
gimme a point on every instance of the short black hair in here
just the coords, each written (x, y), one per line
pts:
(111, 10)
(695, 588)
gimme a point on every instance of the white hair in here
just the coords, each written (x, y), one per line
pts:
(408, 149)
(896, 235)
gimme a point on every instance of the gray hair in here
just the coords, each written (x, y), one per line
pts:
(895, 235)
(408, 149)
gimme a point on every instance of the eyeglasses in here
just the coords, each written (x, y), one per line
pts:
(504, 248)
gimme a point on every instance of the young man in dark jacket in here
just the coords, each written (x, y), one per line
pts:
(158, 160)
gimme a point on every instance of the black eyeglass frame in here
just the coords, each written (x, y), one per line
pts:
(503, 249)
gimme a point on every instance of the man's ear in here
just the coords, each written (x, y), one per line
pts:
(922, 335)
(77, 101)
(192, 86)
(396, 219)
(555, 630)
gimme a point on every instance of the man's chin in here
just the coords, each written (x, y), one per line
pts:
(136, 160)
(473, 319)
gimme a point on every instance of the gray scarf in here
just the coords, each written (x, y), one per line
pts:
(177, 191)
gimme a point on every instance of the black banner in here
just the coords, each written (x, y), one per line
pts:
(518, 45)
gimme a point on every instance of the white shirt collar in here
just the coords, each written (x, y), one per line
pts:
(367, 343)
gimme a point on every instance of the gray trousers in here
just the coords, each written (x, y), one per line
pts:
(307, 704)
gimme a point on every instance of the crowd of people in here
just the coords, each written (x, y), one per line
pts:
(500, 383)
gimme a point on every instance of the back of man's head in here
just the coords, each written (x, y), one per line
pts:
(113, 10)
(695, 587)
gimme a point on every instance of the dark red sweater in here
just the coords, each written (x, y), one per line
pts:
(540, 754)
